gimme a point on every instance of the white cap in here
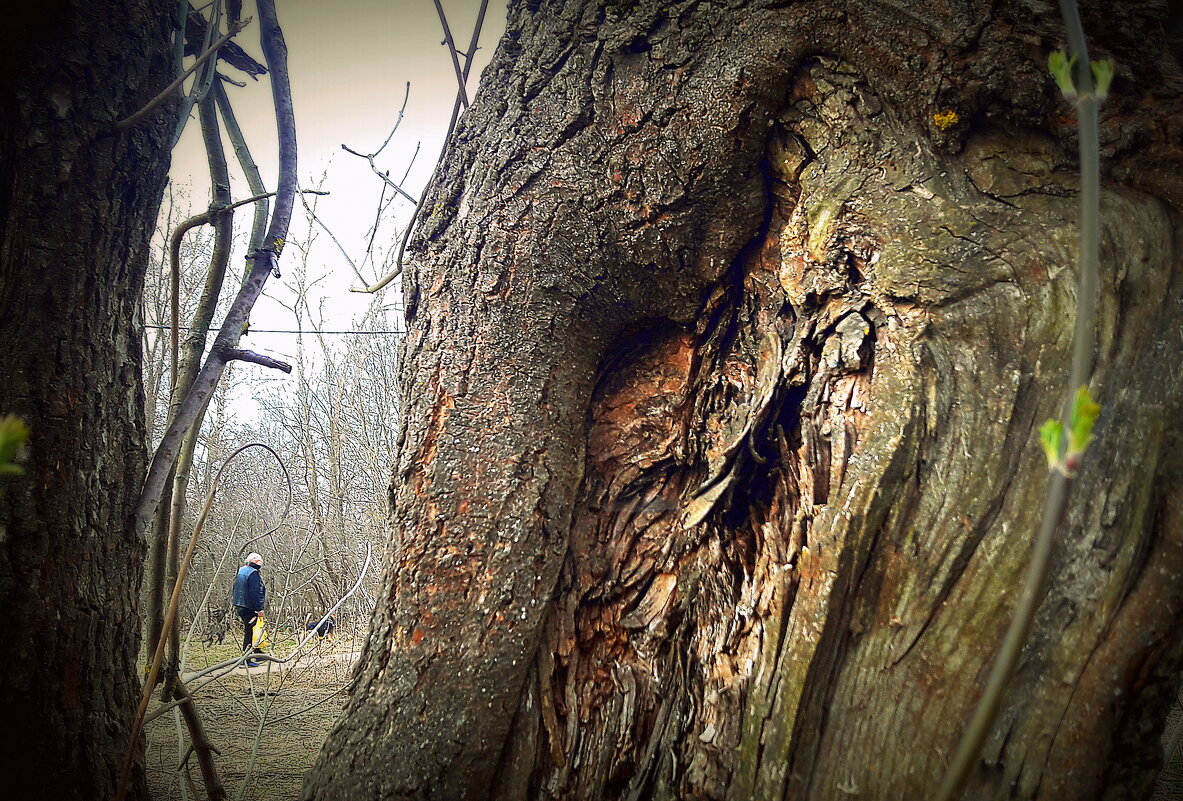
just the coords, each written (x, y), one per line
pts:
(253, 557)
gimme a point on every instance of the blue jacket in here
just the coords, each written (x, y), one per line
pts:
(249, 590)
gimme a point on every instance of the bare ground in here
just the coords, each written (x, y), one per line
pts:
(288, 709)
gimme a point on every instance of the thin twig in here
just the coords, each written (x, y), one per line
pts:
(379, 210)
(460, 73)
(398, 120)
(461, 99)
(171, 613)
(369, 157)
(411, 163)
(240, 793)
(385, 176)
(341, 600)
(1055, 506)
(204, 604)
(172, 87)
(308, 708)
(312, 215)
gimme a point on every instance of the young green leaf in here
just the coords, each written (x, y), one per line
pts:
(1060, 66)
(1051, 434)
(1103, 76)
(1084, 416)
(13, 433)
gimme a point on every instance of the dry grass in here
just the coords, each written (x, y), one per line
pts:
(289, 709)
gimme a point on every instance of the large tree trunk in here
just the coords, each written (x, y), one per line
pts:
(77, 204)
(725, 357)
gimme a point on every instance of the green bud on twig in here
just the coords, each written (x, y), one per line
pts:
(1064, 449)
(13, 433)
(1051, 434)
(1083, 417)
(1061, 66)
(1103, 76)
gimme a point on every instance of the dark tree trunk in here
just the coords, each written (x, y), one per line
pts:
(77, 205)
(727, 345)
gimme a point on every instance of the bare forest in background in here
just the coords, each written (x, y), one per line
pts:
(332, 423)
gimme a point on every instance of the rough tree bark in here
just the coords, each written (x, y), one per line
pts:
(727, 345)
(77, 205)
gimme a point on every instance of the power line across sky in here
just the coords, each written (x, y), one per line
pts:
(278, 330)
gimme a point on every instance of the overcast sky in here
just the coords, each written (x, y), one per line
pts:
(350, 61)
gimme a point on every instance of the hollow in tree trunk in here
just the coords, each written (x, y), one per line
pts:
(729, 333)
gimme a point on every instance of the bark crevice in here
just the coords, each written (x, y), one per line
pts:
(754, 393)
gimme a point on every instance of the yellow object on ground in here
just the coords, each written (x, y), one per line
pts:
(259, 635)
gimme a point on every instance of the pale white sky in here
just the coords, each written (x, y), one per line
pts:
(349, 61)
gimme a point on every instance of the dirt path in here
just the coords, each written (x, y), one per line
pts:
(293, 707)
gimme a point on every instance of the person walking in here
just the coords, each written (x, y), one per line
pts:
(250, 593)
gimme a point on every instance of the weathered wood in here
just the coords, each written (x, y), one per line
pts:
(724, 361)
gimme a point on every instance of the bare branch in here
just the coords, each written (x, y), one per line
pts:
(385, 176)
(461, 100)
(312, 215)
(468, 57)
(200, 743)
(187, 16)
(241, 355)
(247, 163)
(206, 78)
(461, 76)
(172, 87)
(173, 604)
(179, 35)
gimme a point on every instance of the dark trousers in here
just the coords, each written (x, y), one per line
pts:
(248, 618)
